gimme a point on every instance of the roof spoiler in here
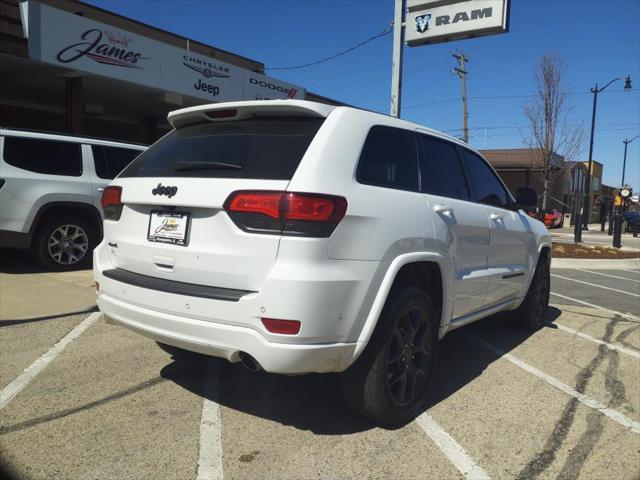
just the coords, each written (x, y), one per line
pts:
(239, 110)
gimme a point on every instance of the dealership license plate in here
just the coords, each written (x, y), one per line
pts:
(168, 227)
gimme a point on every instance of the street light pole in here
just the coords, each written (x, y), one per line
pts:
(586, 206)
(626, 142)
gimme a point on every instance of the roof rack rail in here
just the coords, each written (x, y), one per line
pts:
(67, 134)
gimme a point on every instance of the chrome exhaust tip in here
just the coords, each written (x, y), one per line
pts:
(249, 362)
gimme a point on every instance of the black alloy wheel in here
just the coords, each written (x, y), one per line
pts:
(390, 381)
(408, 357)
(532, 312)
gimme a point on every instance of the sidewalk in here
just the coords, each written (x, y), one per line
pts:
(594, 236)
(597, 264)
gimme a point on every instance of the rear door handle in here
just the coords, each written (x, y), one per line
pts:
(443, 209)
(496, 217)
(101, 189)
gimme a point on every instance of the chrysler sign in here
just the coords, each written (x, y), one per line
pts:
(432, 22)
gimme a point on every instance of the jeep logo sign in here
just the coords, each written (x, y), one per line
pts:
(169, 191)
(455, 20)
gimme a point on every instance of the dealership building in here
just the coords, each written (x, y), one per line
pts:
(66, 66)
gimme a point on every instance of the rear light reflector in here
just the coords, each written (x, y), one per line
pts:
(286, 213)
(283, 327)
(112, 203)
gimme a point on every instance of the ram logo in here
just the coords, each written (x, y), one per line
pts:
(422, 22)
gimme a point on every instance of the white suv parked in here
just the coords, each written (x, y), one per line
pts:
(298, 237)
(50, 191)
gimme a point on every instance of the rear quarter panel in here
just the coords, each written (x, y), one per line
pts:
(381, 223)
(25, 193)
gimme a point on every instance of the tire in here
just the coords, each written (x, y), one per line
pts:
(532, 312)
(381, 384)
(59, 251)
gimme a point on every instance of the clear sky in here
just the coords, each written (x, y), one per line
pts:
(597, 39)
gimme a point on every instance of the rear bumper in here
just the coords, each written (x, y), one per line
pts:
(331, 299)
(11, 239)
(227, 341)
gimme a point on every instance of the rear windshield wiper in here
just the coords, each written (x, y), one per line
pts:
(191, 166)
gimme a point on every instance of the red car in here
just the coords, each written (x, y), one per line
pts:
(552, 219)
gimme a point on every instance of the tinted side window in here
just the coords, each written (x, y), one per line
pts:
(440, 169)
(389, 158)
(43, 156)
(484, 182)
(110, 161)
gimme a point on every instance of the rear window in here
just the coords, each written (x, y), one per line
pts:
(43, 156)
(258, 148)
(110, 161)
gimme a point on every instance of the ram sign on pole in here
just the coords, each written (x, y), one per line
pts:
(442, 21)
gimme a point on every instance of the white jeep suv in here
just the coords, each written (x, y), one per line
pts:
(298, 237)
(50, 191)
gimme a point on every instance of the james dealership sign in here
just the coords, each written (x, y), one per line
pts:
(108, 49)
(60, 38)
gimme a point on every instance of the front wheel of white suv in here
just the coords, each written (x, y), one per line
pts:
(532, 312)
(64, 243)
(390, 381)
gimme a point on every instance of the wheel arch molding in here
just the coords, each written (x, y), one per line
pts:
(400, 269)
(87, 211)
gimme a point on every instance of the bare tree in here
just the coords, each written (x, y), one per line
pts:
(549, 134)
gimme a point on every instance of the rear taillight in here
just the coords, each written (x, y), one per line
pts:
(283, 327)
(286, 213)
(112, 203)
(263, 203)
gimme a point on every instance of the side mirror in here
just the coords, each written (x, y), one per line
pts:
(526, 198)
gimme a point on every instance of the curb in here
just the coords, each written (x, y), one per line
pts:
(597, 264)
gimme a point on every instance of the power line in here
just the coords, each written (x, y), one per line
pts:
(627, 125)
(498, 97)
(479, 135)
(386, 31)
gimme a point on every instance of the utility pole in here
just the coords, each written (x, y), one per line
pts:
(462, 73)
(396, 64)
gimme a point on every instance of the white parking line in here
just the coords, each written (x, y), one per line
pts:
(596, 285)
(581, 397)
(452, 450)
(210, 458)
(611, 346)
(592, 305)
(607, 275)
(22, 380)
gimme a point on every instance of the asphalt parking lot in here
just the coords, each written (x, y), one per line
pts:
(102, 402)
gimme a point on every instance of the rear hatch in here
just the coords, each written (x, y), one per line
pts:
(172, 221)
